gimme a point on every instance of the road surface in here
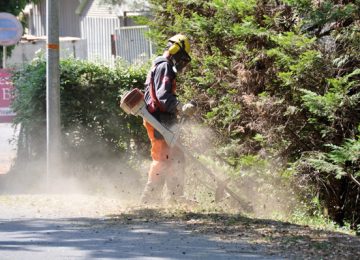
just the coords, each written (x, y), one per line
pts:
(86, 227)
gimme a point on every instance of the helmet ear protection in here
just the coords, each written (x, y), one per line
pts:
(177, 43)
(175, 48)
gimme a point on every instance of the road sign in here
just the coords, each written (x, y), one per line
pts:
(6, 90)
(11, 29)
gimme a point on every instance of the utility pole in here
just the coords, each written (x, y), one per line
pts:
(53, 127)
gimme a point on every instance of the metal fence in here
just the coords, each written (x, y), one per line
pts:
(97, 31)
(132, 45)
(106, 40)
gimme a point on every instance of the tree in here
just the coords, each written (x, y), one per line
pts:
(14, 7)
(278, 79)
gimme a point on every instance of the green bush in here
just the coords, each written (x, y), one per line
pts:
(285, 71)
(93, 125)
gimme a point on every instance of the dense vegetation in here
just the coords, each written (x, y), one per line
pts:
(14, 7)
(279, 81)
(93, 125)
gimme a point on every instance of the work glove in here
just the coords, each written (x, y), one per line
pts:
(189, 108)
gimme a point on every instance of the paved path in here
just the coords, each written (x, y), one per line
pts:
(98, 239)
(29, 232)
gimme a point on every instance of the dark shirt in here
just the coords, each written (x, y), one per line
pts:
(164, 84)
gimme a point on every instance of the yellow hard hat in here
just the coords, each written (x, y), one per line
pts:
(179, 42)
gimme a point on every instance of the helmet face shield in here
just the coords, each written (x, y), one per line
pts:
(179, 49)
(181, 59)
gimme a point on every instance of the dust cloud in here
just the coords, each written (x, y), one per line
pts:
(260, 190)
(91, 174)
(8, 148)
(104, 183)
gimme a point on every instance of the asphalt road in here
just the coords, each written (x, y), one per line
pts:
(73, 239)
(41, 227)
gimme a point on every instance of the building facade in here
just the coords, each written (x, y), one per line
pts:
(98, 26)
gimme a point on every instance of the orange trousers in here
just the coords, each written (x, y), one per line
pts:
(167, 168)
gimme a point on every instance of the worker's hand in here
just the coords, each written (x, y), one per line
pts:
(189, 108)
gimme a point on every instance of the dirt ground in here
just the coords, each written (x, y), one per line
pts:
(275, 237)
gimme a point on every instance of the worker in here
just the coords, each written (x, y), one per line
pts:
(167, 167)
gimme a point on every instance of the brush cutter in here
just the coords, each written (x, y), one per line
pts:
(133, 103)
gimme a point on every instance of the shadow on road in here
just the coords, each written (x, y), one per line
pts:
(158, 233)
(112, 238)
